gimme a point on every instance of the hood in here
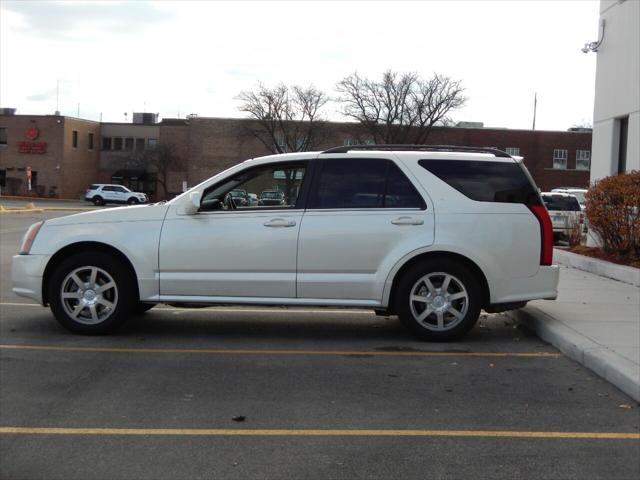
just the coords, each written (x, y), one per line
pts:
(139, 213)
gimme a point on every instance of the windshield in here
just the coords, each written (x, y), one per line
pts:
(560, 202)
(271, 195)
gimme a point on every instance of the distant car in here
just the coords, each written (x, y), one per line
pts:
(271, 197)
(240, 197)
(579, 193)
(565, 212)
(101, 194)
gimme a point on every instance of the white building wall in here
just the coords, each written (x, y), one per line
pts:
(617, 88)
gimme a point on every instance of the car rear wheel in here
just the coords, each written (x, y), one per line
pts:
(439, 300)
(91, 293)
(97, 200)
(133, 201)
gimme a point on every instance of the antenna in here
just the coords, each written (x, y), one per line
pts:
(535, 106)
(57, 96)
(78, 115)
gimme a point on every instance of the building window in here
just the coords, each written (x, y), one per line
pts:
(106, 143)
(74, 139)
(622, 144)
(3, 178)
(583, 159)
(128, 143)
(90, 141)
(279, 144)
(140, 144)
(560, 158)
(3, 135)
(152, 143)
(117, 143)
(513, 151)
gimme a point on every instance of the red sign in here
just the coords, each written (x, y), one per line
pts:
(31, 133)
(32, 147)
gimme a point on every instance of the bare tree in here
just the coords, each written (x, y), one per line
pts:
(162, 160)
(288, 118)
(401, 107)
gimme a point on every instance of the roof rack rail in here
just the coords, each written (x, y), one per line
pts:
(427, 148)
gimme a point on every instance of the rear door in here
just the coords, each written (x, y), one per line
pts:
(362, 216)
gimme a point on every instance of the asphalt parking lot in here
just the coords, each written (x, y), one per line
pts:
(308, 393)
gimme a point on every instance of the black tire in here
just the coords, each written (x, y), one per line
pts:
(133, 201)
(97, 200)
(142, 307)
(453, 326)
(109, 269)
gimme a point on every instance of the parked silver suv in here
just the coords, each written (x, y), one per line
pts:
(102, 193)
(431, 234)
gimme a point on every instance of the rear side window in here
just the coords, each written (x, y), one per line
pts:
(484, 181)
(558, 202)
(363, 183)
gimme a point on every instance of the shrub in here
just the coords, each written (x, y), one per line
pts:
(613, 210)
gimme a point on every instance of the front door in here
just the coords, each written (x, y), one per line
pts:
(363, 215)
(232, 247)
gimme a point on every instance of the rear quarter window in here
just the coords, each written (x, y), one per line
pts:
(486, 181)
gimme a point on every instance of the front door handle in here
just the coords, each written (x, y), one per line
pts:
(280, 222)
(407, 221)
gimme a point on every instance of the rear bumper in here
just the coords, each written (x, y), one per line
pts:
(26, 274)
(542, 285)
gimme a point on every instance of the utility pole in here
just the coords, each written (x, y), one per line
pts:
(535, 106)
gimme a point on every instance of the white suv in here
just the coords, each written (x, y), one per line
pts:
(432, 234)
(102, 193)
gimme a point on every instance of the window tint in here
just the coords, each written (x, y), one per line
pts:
(559, 202)
(269, 187)
(363, 183)
(485, 181)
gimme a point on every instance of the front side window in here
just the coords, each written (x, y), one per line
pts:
(266, 187)
(560, 158)
(363, 183)
(583, 159)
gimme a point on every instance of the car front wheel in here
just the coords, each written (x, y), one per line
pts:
(133, 201)
(98, 200)
(91, 293)
(439, 300)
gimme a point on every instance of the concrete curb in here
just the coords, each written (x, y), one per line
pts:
(622, 273)
(614, 368)
(22, 210)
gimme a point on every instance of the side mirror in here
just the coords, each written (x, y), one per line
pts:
(191, 206)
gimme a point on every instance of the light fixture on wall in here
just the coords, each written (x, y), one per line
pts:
(593, 46)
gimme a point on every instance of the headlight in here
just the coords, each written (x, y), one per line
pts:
(29, 237)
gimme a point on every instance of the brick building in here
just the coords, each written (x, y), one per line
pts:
(210, 145)
(80, 152)
(62, 153)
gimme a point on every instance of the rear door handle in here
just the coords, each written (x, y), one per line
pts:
(407, 221)
(280, 222)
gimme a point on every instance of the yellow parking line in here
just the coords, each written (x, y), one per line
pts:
(245, 351)
(212, 432)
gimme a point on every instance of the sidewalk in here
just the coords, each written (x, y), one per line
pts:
(595, 321)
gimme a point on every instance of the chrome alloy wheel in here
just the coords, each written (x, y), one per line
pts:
(439, 301)
(89, 295)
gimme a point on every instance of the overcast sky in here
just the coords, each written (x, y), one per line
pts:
(181, 58)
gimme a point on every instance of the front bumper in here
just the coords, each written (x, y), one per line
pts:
(26, 273)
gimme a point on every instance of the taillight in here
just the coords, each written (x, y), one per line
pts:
(546, 233)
